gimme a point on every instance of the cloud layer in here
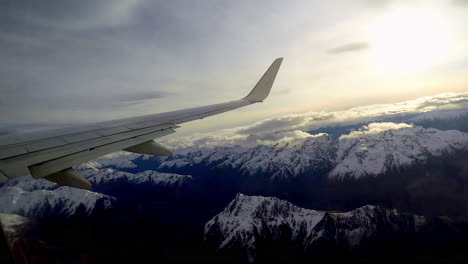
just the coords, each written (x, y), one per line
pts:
(288, 127)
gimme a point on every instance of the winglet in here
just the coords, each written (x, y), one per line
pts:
(263, 87)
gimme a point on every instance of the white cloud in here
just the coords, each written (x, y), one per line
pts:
(375, 128)
(288, 127)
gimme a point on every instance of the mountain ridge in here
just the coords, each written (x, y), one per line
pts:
(248, 220)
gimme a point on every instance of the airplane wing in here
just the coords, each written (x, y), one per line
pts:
(51, 154)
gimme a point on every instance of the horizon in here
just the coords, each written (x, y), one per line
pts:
(198, 127)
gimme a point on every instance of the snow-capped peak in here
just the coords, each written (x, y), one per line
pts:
(374, 149)
(246, 215)
(248, 220)
(281, 160)
(380, 147)
(64, 201)
(98, 174)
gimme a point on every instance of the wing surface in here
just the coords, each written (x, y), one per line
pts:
(51, 154)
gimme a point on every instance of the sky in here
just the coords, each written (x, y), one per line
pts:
(72, 62)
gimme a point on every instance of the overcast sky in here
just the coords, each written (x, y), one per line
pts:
(65, 61)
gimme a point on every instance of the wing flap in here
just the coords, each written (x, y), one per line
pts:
(70, 177)
(150, 148)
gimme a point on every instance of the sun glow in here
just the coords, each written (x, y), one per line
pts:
(410, 40)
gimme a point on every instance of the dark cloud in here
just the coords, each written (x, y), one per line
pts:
(350, 47)
(66, 15)
(284, 122)
(273, 124)
(460, 100)
(63, 59)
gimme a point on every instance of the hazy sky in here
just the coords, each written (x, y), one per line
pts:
(65, 61)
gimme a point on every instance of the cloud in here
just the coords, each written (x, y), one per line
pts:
(448, 100)
(375, 128)
(278, 123)
(350, 47)
(296, 126)
(281, 137)
(86, 61)
(90, 100)
(78, 61)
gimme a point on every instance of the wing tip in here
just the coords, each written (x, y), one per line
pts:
(263, 87)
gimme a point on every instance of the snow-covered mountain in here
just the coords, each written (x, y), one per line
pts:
(98, 174)
(11, 223)
(148, 177)
(372, 150)
(249, 220)
(27, 183)
(64, 201)
(13, 226)
(30, 197)
(379, 147)
(281, 160)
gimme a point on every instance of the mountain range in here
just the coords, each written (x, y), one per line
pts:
(371, 150)
(249, 223)
(354, 182)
